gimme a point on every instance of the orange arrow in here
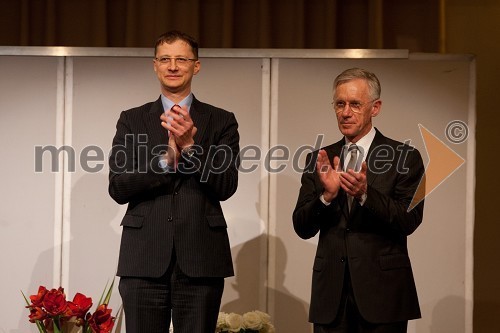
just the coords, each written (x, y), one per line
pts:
(443, 162)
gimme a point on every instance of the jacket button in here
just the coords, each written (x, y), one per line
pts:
(170, 219)
(342, 259)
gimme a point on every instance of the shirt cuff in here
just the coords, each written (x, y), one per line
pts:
(322, 198)
(164, 165)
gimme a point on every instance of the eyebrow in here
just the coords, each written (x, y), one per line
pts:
(349, 101)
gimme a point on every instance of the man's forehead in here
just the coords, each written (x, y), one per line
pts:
(352, 86)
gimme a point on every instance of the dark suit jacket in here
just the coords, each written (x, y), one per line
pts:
(371, 239)
(174, 209)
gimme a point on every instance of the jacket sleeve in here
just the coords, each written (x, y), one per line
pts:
(133, 171)
(310, 212)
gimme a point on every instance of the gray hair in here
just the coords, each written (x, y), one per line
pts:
(358, 73)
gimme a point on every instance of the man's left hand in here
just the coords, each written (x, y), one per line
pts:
(354, 183)
(181, 126)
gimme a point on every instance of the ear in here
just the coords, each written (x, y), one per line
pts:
(377, 105)
(197, 67)
(154, 66)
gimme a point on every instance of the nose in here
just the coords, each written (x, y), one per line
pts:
(346, 111)
(172, 64)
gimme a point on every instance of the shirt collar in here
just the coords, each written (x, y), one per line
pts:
(364, 143)
(168, 104)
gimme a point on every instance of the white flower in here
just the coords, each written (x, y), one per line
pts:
(234, 322)
(270, 329)
(264, 317)
(252, 320)
(255, 321)
(221, 322)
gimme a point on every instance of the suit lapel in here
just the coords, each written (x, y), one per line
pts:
(200, 118)
(332, 151)
(378, 140)
(158, 135)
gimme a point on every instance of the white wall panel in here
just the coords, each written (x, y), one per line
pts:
(29, 216)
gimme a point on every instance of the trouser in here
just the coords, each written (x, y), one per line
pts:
(192, 303)
(349, 320)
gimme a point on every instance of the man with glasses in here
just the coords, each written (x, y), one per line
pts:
(356, 194)
(172, 161)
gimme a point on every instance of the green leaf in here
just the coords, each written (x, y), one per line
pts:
(110, 291)
(102, 295)
(87, 328)
(26, 299)
(56, 326)
(39, 324)
(106, 294)
(118, 320)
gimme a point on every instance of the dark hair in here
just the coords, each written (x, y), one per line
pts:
(174, 35)
(358, 73)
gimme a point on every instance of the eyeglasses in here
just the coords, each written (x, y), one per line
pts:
(179, 61)
(355, 107)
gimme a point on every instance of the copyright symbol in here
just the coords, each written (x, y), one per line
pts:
(457, 131)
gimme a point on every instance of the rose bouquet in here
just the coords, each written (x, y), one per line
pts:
(250, 322)
(52, 313)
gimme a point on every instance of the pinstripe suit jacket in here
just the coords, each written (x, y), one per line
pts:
(174, 209)
(371, 239)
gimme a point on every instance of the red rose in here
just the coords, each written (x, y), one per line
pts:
(54, 302)
(101, 320)
(37, 313)
(80, 306)
(37, 299)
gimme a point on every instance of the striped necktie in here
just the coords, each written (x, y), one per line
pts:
(353, 150)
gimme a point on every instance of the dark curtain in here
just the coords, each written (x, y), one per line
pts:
(408, 24)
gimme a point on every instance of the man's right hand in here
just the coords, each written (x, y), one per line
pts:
(328, 175)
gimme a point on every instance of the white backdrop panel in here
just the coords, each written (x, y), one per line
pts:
(28, 104)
